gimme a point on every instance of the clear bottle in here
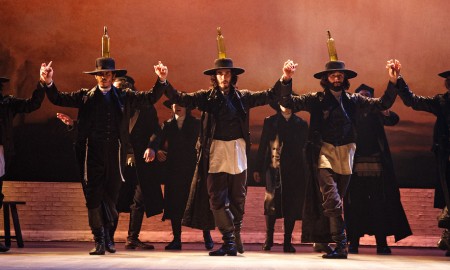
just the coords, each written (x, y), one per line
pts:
(331, 48)
(105, 43)
(220, 44)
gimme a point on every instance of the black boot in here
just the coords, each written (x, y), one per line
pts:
(287, 245)
(338, 235)
(209, 243)
(3, 248)
(224, 221)
(237, 237)
(109, 243)
(288, 229)
(95, 217)
(444, 242)
(133, 242)
(176, 230)
(382, 246)
(353, 247)
(228, 246)
(270, 228)
(99, 238)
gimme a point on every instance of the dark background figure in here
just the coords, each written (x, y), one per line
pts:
(280, 164)
(176, 145)
(438, 105)
(103, 133)
(330, 149)
(141, 193)
(221, 173)
(372, 204)
(9, 107)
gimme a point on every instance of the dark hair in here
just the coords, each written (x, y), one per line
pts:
(326, 84)
(215, 84)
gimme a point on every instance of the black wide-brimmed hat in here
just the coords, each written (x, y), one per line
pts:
(104, 64)
(276, 105)
(4, 79)
(445, 74)
(224, 63)
(334, 66)
(365, 87)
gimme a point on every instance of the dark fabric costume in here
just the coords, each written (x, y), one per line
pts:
(285, 186)
(9, 107)
(212, 102)
(335, 125)
(439, 105)
(181, 160)
(372, 204)
(103, 135)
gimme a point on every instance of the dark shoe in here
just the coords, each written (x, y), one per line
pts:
(268, 244)
(443, 243)
(174, 245)
(226, 249)
(353, 249)
(288, 248)
(99, 249)
(110, 247)
(136, 243)
(384, 250)
(3, 248)
(209, 243)
(447, 254)
(322, 247)
(336, 254)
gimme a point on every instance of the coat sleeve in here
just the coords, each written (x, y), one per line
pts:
(197, 99)
(275, 93)
(417, 103)
(377, 104)
(142, 99)
(64, 99)
(21, 105)
(391, 120)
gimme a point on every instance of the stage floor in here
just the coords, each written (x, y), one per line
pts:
(74, 255)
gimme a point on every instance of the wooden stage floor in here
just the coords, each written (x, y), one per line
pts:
(74, 255)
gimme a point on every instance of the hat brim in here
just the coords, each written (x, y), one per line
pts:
(234, 70)
(4, 79)
(118, 72)
(168, 104)
(445, 74)
(349, 74)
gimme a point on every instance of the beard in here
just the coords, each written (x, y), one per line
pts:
(336, 87)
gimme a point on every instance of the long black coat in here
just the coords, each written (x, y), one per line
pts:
(285, 199)
(126, 100)
(144, 174)
(181, 160)
(315, 226)
(9, 107)
(197, 214)
(439, 105)
(372, 204)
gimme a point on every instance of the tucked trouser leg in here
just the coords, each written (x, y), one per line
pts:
(333, 188)
(95, 216)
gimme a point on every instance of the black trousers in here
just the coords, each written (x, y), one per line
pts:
(104, 177)
(333, 187)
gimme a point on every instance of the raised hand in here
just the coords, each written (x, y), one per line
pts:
(161, 70)
(46, 73)
(394, 66)
(288, 70)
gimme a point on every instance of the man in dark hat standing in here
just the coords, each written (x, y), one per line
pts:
(175, 145)
(9, 107)
(224, 139)
(372, 204)
(439, 105)
(280, 164)
(331, 146)
(103, 137)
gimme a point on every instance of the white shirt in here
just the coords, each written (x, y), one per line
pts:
(337, 158)
(228, 156)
